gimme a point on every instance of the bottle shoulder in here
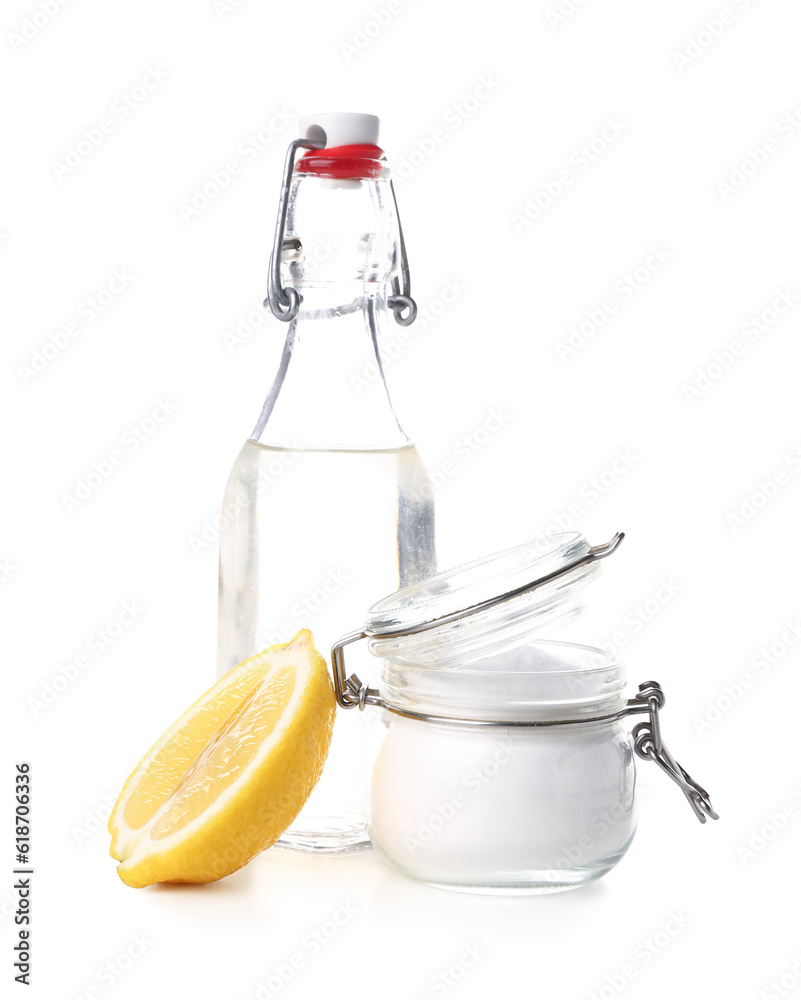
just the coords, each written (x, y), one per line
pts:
(330, 390)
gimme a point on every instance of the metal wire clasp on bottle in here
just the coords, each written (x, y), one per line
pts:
(284, 303)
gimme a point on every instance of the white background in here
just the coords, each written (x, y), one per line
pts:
(698, 108)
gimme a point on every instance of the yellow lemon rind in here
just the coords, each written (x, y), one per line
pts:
(122, 837)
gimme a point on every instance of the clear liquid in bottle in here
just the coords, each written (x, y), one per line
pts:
(315, 537)
(328, 507)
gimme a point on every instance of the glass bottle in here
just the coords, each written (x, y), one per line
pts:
(327, 503)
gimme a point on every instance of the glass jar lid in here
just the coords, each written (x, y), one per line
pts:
(467, 617)
(486, 606)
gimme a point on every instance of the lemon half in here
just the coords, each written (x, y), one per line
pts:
(226, 780)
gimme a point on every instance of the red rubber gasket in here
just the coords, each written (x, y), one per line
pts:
(357, 161)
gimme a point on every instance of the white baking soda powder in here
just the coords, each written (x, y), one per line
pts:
(502, 807)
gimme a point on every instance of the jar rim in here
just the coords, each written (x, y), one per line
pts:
(588, 682)
(474, 667)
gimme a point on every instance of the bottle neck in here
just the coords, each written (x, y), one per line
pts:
(330, 391)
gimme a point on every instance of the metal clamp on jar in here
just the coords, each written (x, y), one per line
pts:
(508, 765)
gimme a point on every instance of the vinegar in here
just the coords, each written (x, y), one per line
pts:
(314, 537)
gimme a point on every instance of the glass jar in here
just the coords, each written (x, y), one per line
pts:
(508, 765)
(506, 807)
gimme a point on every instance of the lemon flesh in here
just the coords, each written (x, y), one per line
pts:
(225, 781)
